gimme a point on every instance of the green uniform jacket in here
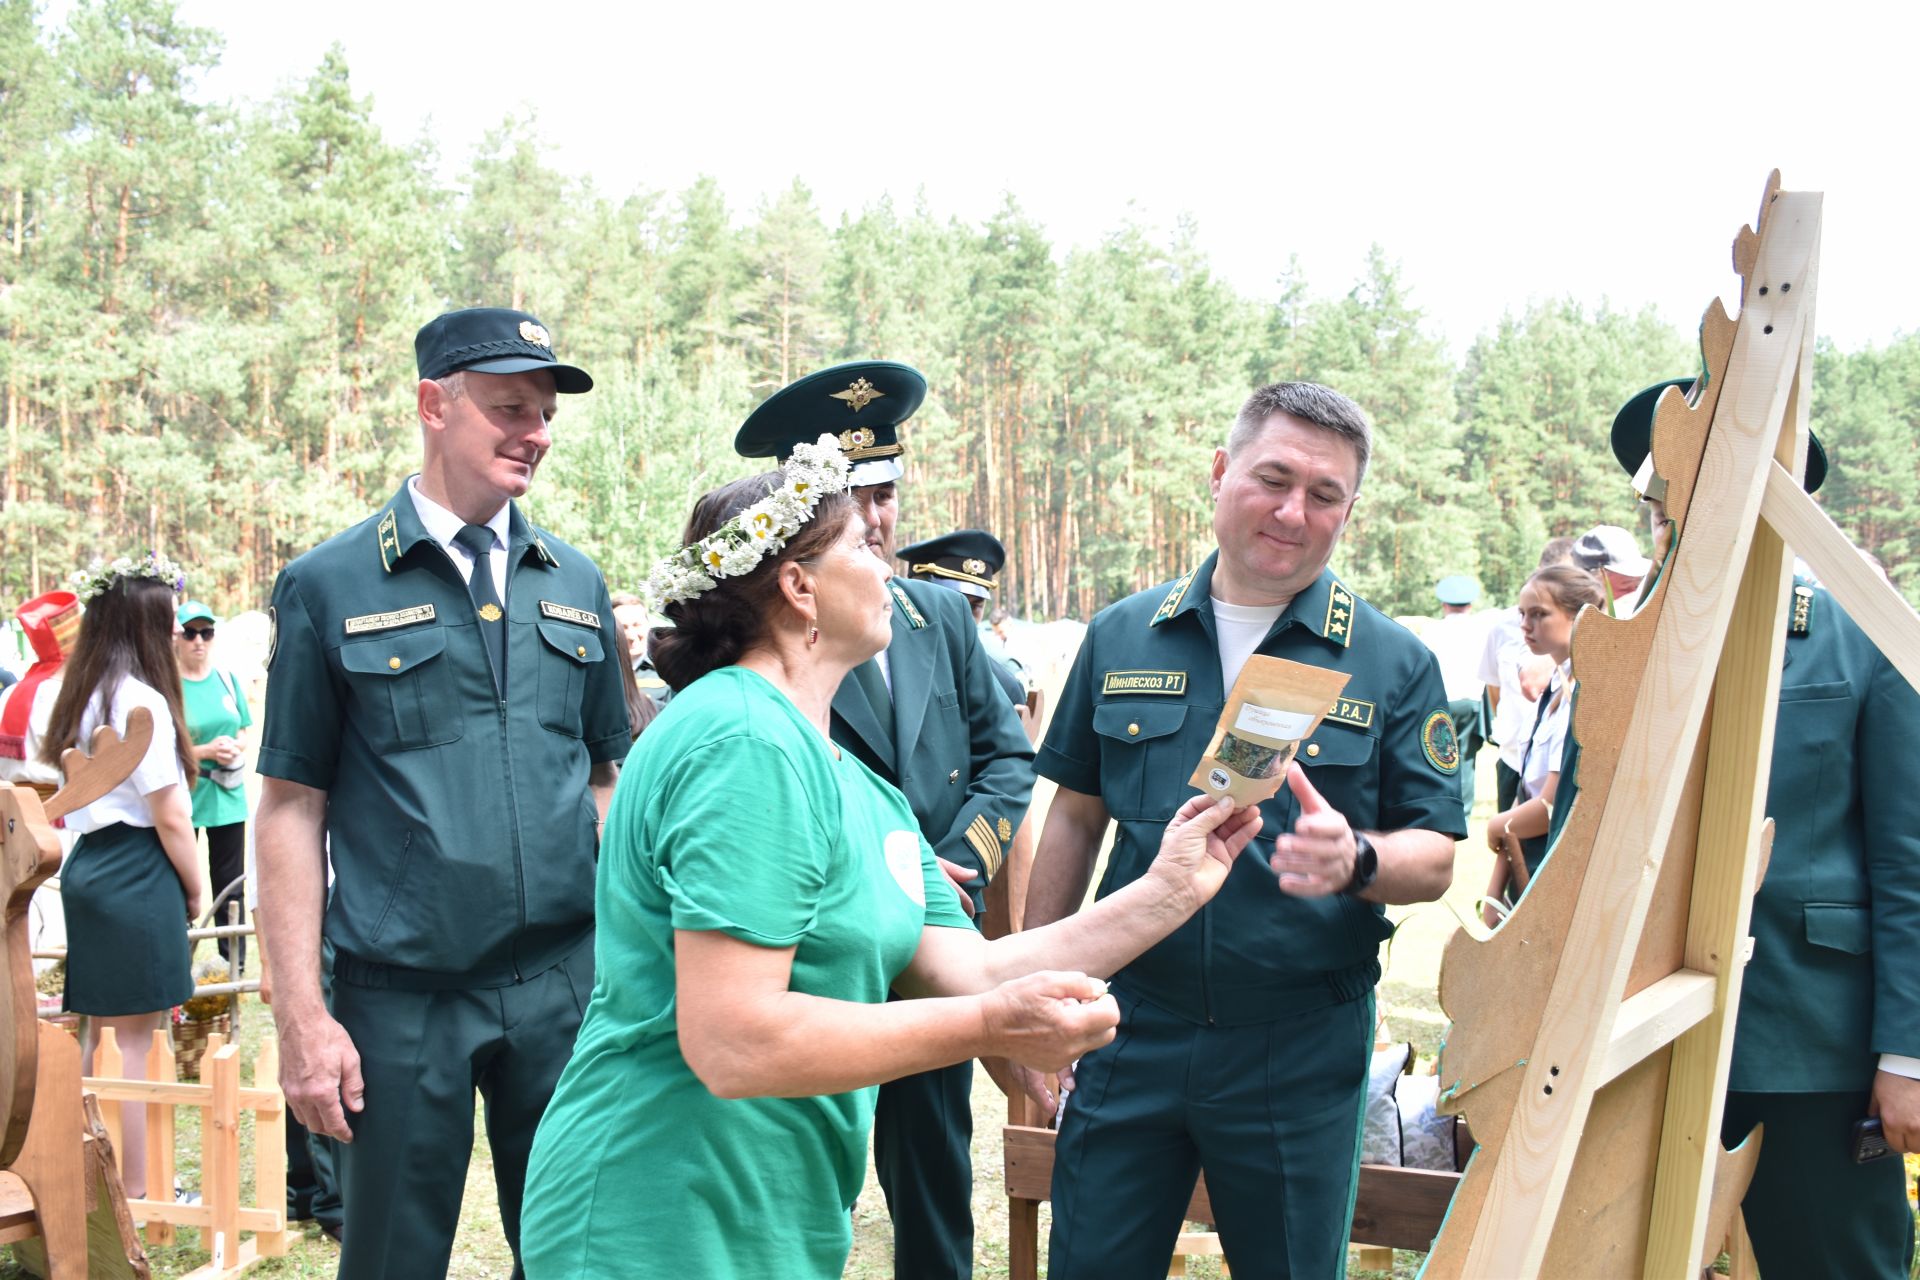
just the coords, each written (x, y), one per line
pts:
(1835, 976)
(957, 749)
(1136, 716)
(461, 827)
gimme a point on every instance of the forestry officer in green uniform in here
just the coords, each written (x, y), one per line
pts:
(929, 716)
(966, 561)
(443, 717)
(1245, 1036)
(1829, 1027)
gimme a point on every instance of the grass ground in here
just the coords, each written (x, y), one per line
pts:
(1407, 1001)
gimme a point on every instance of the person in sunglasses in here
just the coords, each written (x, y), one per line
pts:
(217, 723)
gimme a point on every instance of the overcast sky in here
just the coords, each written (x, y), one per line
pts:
(1500, 153)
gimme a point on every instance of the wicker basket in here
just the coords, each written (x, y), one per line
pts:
(190, 1042)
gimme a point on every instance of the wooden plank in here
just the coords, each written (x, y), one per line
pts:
(160, 1067)
(220, 1166)
(1656, 1017)
(1869, 600)
(201, 1215)
(179, 1093)
(1398, 1208)
(269, 1151)
(1534, 1122)
(1726, 864)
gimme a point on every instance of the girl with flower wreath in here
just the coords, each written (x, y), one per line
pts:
(132, 883)
(759, 892)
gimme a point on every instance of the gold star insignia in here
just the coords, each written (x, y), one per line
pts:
(536, 334)
(490, 612)
(1340, 613)
(858, 395)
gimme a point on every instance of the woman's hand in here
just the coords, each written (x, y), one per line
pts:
(1046, 1020)
(196, 904)
(226, 752)
(1200, 844)
(1497, 832)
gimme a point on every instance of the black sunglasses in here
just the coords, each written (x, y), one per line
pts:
(197, 633)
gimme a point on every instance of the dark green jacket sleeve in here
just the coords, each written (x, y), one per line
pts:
(300, 739)
(1000, 759)
(1890, 808)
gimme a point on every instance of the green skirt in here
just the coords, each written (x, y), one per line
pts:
(127, 949)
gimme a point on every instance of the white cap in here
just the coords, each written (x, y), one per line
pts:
(1608, 546)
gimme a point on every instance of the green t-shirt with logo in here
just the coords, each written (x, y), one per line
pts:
(732, 814)
(215, 706)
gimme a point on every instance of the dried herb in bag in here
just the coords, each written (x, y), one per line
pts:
(1274, 706)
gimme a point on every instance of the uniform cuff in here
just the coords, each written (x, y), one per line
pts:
(275, 763)
(1895, 1064)
(1068, 772)
(612, 747)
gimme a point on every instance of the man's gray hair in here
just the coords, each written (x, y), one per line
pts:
(1309, 402)
(454, 384)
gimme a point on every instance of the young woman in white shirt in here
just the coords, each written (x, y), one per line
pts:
(1549, 603)
(132, 883)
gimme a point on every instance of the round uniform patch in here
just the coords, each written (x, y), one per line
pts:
(1438, 741)
(903, 860)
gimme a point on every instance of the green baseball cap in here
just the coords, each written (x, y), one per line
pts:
(194, 611)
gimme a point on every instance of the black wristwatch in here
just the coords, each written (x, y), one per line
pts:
(1366, 864)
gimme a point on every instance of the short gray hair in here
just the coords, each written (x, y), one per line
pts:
(1309, 402)
(454, 384)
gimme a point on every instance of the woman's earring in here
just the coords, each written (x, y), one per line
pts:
(813, 634)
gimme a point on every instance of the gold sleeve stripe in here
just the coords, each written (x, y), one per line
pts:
(980, 836)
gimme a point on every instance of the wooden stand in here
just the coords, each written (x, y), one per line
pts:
(1593, 1030)
(220, 1215)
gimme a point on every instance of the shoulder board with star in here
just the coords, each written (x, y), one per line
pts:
(1801, 620)
(914, 618)
(1338, 626)
(1171, 604)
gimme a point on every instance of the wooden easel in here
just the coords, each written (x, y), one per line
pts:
(1593, 1030)
(58, 1182)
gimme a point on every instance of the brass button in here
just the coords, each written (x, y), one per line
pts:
(1313, 748)
(953, 777)
(1133, 731)
(394, 663)
(581, 650)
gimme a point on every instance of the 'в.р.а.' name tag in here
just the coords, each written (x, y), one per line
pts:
(388, 621)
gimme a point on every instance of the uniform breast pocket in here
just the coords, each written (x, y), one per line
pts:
(1142, 749)
(565, 654)
(403, 690)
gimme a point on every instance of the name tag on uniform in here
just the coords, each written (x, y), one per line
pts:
(567, 613)
(1352, 711)
(1168, 682)
(388, 621)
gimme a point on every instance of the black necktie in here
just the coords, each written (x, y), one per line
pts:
(478, 540)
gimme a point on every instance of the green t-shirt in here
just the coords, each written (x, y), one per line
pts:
(215, 706)
(732, 814)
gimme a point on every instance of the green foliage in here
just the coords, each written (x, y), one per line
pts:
(209, 318)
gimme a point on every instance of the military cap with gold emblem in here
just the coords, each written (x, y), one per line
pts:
(492, 340)
(1632, 440)
(965, 560)
(861, 405)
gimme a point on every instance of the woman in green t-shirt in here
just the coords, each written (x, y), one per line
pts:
(217, 722)
(759, 893)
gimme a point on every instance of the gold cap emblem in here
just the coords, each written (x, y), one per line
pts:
(858, 395)
(531, 332)
(978, 568)
(490, 612)
(858, 438)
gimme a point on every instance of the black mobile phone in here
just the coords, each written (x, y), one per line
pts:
(1869, 1143)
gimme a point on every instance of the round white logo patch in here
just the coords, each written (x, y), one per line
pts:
(903, 859)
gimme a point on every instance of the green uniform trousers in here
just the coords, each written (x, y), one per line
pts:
(1272, 1112)
(1811, 1211)
(922, 1138)
(422, 1055)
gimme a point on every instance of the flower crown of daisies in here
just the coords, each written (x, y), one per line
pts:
(737, 547)
(100, 576)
